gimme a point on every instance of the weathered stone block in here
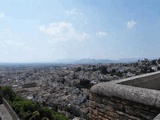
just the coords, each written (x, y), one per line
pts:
(143, 114)
(118, 107)
(109, 108)
(124, 116)
(102, 110)
(92, 103)
(97, 99)
(94, 112)
(112, 114)
(107, 101)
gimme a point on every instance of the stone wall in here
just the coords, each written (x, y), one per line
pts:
(112, 108)
(136, 98)
(10, 110)
(150, 81)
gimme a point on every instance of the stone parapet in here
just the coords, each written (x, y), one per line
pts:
(119, 100)
(135, 94)
(10, 110)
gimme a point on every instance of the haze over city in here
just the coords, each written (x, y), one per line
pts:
(49, 30)
(79, 60)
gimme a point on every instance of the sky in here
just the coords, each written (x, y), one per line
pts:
(49, 30)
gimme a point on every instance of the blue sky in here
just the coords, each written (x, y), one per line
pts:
(48, 30)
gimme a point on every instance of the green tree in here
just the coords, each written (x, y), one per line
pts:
(28, 110)
(45, 118)
(103, 70)
(7, 93)
(35, 116)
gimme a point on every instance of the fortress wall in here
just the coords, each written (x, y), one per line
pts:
(121, 101)
(10, 110)
(112, 108)
(150, 81)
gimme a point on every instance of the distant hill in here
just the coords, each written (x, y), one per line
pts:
(96, 61)
(85, 61)
(127, 60)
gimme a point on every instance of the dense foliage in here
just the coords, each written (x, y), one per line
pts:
(29, 110)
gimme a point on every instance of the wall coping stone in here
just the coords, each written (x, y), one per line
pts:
(157, 117)
(10, 110)
(136, 94)
(126, 90)
(135, 77)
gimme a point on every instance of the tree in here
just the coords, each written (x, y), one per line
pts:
(103, 70)
(45, 118)
(154, 62)
(159, 60)
(29, 110)
(7, 93)
(35, 116)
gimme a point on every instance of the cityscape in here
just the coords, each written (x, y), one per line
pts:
(66, 87)
(79, 60)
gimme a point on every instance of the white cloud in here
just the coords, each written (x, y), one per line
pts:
(12, 43)
(76, 15)
(131, 24)
(2, 15)
(17, 44)
(10, 39)
(63, 31)
(29, 48)
(101, 34)
(73, 11)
